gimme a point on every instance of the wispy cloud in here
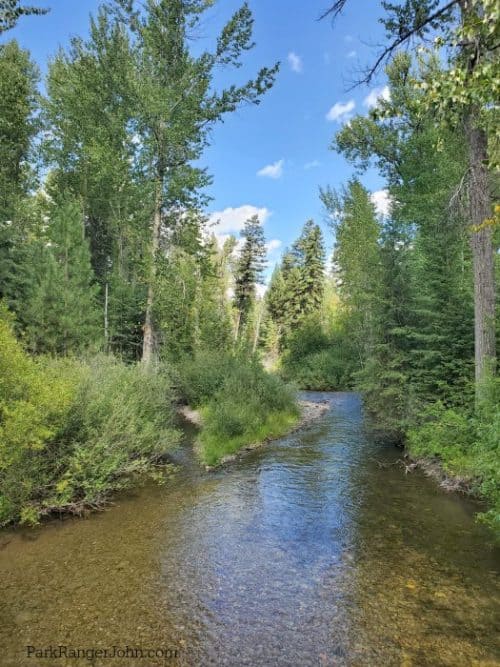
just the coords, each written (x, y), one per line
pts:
(373, 97)
(273, 245)
(231, 220)
(348, 38)
(341, 111)
(312, 165)
(382, 202)
(295, 62)
(352, 54)
(274, 170)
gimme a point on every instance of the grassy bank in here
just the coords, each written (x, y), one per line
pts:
(240, 403)
(72, 432)
(466, 447)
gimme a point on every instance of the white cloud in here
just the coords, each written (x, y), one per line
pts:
(232, 220)
(373, 97)
(326, 58)
(312, 165)
(274, 170)
(341, 111)
(273, 245)
(260, 290)
(348, 38)
(295, 62)
(352, 54)
(382, 202)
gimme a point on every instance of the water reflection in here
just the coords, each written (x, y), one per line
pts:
(306, 552)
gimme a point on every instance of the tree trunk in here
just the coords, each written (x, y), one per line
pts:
(257, 328)
(148, 337)
(482, 252)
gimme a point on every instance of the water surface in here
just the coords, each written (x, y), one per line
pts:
(315, 550)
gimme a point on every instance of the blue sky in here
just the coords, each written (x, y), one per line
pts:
(269, 159)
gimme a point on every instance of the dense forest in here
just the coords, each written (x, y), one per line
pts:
(119, 303)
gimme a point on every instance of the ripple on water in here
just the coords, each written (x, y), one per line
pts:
(305, 552)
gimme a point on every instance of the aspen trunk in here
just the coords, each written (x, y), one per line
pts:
(148, 337)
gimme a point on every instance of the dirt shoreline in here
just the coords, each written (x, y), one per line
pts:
(310, 410)
(433, 468)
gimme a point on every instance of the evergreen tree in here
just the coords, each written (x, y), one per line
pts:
(61, 309)
(249, 270)
(18, 126)
(309, 255)
(357, 260)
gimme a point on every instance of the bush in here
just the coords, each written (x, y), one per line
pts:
(315, 360)
(198, 378)
(468, 445)
(241, 402)
(120, 422)
(71, 432)
(35, 400)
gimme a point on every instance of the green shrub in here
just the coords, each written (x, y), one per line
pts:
(199, 377)
(71, 432)
(467, 445)
(35, 401)
(315, 360)
(241, 402)
(120, 422)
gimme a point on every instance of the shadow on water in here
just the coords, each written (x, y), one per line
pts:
(306, 552)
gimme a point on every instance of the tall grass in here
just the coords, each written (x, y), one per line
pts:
(240, 402)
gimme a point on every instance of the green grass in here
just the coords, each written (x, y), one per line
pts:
(466, 446)
(213, 447)
(241, 403)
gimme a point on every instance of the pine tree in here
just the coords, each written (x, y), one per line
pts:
(18, 127)
(249, 270)
(61, 306)
(309, 254)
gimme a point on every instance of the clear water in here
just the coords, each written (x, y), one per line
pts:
(305, 552)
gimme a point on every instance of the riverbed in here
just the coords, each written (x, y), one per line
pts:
(316, 549)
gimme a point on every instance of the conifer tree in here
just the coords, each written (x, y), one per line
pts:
(61, 309)
(309, 254)
(249, 270)
(18, 126)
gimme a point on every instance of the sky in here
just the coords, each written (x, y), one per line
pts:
(269, 159)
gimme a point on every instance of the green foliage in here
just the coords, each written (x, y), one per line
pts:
(467, 445)
(317, 360)
(35, 401)
(61, 301)
(297, 286)
(71, 432)
(240, 402)
(120, 423)
(12, 10)
(18, 127)
(249, 268)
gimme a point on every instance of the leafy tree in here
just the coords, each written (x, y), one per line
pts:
(93, 152)
(465, 95)
(177, 104)
(12, 10)
(425, 313)
(356, 259)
